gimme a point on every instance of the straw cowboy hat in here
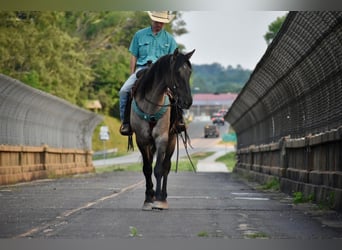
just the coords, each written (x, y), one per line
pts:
(161, 16)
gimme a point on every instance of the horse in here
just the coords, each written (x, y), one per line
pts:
(161, 93)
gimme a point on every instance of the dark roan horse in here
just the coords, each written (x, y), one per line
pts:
(161, 93)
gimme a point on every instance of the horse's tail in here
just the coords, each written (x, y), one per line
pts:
(130, 145)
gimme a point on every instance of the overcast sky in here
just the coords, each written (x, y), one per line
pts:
(227, 37)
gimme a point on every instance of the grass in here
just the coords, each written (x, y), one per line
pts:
(257, 235)
(116, 140)
(229, 160)
(299, 197)
(183, 164)
(203, 234)
(273, 185)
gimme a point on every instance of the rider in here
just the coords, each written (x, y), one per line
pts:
(147, 46)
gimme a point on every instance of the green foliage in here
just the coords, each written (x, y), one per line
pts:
(273, 29)
(256, 235)
(116, 140)
(273, 184)
(134, 232)
(299, 197)
(229, 160)
(36, 51)
(203, 234)
(183, 164)
(75, 55)
(214, 78)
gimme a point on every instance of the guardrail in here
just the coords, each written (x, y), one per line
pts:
(288, 117)
(36, 127)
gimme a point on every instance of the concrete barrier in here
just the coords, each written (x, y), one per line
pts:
(41, 135)
(311, 165)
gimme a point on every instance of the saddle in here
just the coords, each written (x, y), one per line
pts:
(127, 114)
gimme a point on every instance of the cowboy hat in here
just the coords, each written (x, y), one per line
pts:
(160, 16)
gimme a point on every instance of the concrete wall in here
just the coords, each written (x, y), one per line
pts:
(41, 135)
(288, 117)
(27, 163)
(311, 165)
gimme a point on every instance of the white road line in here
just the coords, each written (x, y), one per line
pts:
(67, 213)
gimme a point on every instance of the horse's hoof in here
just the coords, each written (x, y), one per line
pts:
(161, 205)
(147, 206)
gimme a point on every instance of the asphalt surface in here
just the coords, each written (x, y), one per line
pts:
(211, 203)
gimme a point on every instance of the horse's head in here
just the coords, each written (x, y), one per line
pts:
(181, 79)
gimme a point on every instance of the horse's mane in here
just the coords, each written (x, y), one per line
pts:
(156, 73)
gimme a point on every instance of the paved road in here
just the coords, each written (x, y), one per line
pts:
(215, 205)
(204, 204)
(198, 144)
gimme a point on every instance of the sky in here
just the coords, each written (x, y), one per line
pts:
(227, 37)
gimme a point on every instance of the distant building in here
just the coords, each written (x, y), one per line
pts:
(206, 104)
(93, 105)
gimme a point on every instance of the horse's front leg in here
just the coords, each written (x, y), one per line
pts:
(158, 174)
(160, 202)
(147, 156)
(161, 171)
(166, 168)
(167, 164)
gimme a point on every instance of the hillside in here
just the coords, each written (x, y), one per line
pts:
(214, 78)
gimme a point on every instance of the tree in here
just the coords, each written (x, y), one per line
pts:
(273, 29)
(36, 51)
(75, 55)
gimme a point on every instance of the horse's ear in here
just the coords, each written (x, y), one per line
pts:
(188, 55)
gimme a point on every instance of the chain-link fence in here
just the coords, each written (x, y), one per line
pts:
(296, 88)
(33, 118)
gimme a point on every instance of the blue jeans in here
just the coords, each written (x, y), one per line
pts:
(125, 92)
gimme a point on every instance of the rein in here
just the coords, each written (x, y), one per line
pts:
(186, 142)
(168, 93)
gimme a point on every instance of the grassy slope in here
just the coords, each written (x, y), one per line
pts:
(116, 140)
(120, 142)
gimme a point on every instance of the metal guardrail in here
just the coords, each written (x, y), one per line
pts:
(34, 118)
(296, 88)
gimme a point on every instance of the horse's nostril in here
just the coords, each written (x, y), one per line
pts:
(187, 104)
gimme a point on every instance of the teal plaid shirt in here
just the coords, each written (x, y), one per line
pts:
(146, 46)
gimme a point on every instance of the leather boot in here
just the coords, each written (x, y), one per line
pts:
(125, 128)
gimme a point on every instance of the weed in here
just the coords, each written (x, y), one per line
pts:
(299, 197)
(257, 235)
(331, 199)
(203, 234)
(134, 232)
(273, 184)
(329, 202)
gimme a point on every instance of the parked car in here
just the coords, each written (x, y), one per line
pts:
(211, 131)
(222, 112)
(217, 118)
